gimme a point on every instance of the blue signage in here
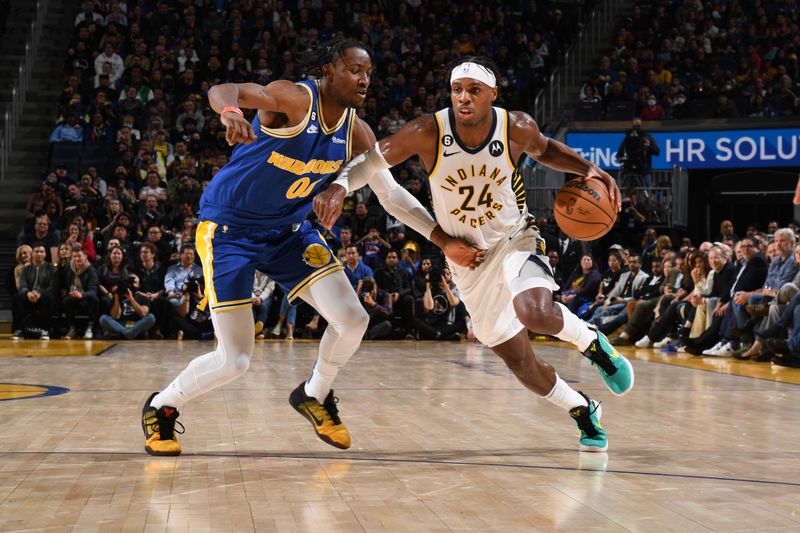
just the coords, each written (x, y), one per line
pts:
(699, 149)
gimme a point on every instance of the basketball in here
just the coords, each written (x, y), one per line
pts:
(583, 209)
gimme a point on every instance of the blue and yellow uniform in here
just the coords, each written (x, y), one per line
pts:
(253, 213)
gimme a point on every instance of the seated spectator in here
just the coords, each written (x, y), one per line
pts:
(44, 232)
(397, 282)
(80, 293)
(129, 316)
(162, 242)
(263, 287)
(782, 270)
(286, 316)
(153, 188)
(674, 314)
(151, 286)
(33, 306)
(409, 258)
(582, 285)
(613, 313)
(110, 275)
(178, 276)
(75, 235)
(378, 304)
(373, 246)
(355, 269)
(442, 315)
(47, 193)
(191, 321)
(653, 110)
(646, 300)
(751, 276)
(70, 130)
(609, 280)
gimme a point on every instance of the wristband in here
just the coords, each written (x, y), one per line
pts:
(232, 109)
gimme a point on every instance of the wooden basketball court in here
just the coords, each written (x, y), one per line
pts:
(444, 439)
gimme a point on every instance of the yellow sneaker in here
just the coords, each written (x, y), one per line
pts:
(159, 429)
(323, 416)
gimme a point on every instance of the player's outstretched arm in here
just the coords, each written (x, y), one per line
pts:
(281, 96)
(372, 167)
(796, 200)
(525, 132)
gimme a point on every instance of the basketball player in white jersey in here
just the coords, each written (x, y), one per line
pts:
(471, 151)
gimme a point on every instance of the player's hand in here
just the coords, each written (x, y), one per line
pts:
(796, 200)
(610, 183)
(237, 128)
(328, 204)
(462, 253)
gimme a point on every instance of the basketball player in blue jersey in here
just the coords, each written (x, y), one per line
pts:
(253, 215)
(471, 151)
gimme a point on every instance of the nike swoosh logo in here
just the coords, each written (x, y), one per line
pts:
(317, 421)
(445, 154)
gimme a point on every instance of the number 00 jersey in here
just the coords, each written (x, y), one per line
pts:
(270, 182)
(477, 193)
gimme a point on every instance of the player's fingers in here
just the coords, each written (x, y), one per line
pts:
(229, 131)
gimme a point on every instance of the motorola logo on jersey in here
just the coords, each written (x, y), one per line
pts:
(496, 148)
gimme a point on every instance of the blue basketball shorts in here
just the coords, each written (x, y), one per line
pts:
(295, 258)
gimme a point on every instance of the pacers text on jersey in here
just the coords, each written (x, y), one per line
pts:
(484, 197)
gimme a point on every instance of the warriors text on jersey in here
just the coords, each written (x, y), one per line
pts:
(477, 193)
(270, 182)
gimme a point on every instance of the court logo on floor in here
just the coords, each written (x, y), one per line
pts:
(24, 391)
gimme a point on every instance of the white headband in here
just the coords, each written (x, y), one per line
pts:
(474, 71)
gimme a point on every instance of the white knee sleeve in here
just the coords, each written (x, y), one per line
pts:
(336, 301)
(235, 341)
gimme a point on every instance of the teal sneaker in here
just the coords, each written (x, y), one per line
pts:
(587, 418)
(615, 369)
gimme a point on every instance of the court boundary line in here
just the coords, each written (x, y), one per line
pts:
(338, 457)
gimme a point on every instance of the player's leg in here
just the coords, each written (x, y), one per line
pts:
(532, 291)
(541, 378)
(229, 272)
(335, 300)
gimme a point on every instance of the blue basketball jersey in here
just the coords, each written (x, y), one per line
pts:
(270, 182)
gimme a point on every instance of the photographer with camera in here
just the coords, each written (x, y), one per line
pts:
(130, 314)
(175, 280)
(635, 155)
(378, 304)
(443, 314)
(194, 323)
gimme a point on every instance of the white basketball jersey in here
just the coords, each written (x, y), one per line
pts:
(477, 193)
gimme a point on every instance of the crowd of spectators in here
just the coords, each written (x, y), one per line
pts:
(135, 144)
(733, 297)
(699, 59)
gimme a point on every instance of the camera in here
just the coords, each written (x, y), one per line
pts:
(435, 276)
(191, 285)
(367, 285)
(124, 285)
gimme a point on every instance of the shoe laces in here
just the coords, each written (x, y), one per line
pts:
(600, 358)
(165, 425)
(583, 416)
(332, 408)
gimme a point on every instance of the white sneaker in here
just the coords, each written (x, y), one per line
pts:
(727, 350)
(662, 343)
(88, 335)
(17, 335)
(45, 335)
(180, 335)
(276, 330)
(644, 342)
(713, 349)
(682, 348)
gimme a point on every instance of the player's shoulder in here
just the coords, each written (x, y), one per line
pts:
(521, 120)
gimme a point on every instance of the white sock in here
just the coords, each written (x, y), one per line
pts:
(564, 396)
(334, 299)
(575, 330)
(171, 396)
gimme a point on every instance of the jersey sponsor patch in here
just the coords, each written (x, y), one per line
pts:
(496, 148)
